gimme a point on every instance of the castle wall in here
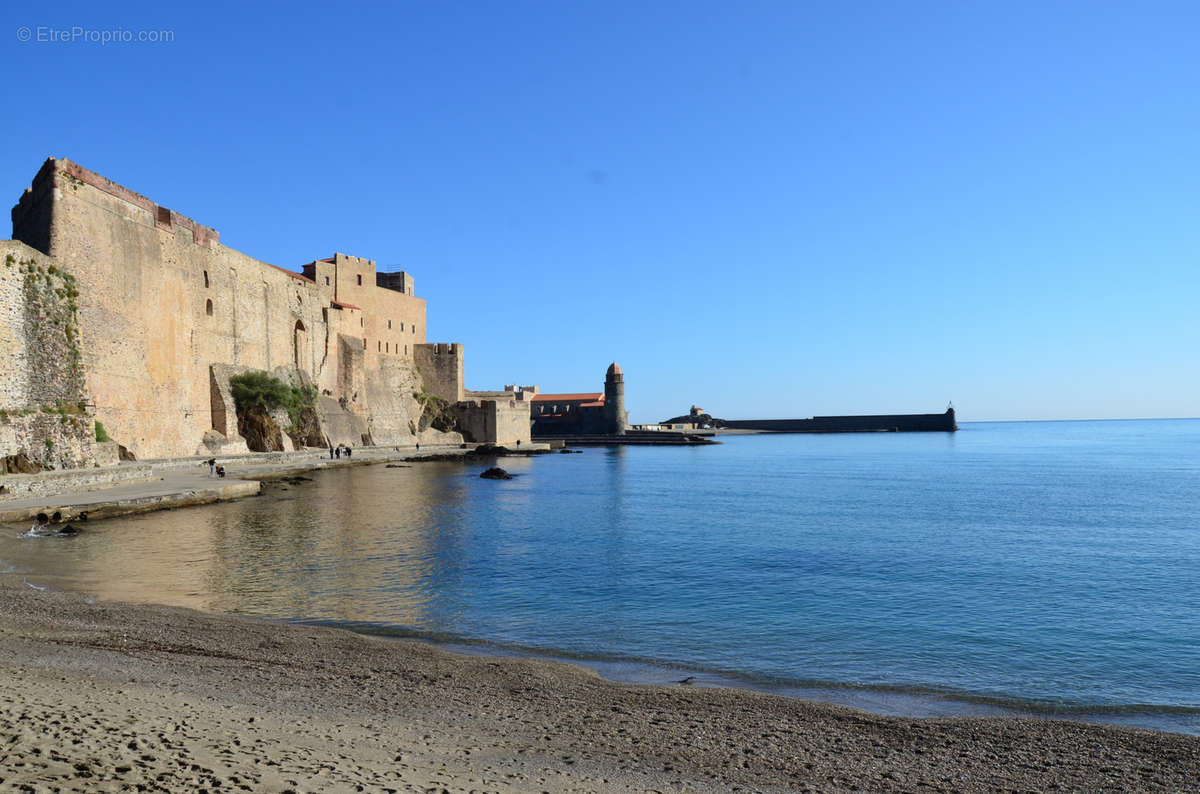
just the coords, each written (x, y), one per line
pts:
(161, 300)
(395, 412)
(441, 369)
(503, 422)
(44, 415)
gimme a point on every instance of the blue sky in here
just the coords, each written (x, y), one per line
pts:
(769, 209)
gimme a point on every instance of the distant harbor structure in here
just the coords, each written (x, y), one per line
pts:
(597, 418)
(877, 423)
(583, 413)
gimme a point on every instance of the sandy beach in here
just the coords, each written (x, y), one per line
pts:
(112, 697)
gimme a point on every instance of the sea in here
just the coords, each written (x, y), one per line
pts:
(1040, 569)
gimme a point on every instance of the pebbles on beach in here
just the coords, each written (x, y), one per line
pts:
(107, 697)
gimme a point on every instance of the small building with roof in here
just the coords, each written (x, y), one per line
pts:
(583, 413)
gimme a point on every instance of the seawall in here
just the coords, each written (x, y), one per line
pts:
(879, 423)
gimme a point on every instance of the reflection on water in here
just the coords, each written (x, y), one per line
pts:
(1050, 567)
(369, 544)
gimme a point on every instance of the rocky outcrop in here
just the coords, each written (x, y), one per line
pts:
(261, 432)
(19, 464)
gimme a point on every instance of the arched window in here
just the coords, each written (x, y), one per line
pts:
(206, 279)
(208, 307)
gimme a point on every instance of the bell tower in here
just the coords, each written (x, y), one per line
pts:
(614, 400)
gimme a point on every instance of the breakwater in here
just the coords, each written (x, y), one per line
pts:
(880, 423)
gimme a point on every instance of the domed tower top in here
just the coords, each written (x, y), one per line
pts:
(614, 372)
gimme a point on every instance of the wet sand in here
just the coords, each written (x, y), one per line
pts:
(111, 697)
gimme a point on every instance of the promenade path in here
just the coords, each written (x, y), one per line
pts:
(178, 482)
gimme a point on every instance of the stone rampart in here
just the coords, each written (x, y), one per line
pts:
(45, 418)
(503, 422)
(161, 301)
(395, 411)
(441, 369)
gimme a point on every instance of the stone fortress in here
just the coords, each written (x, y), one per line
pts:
(114, 309)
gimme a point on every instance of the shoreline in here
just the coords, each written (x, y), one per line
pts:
(97, 693)
(904, 702)
(883, 700)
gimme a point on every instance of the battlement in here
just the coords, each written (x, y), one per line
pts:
(442, 349)
(26, 213)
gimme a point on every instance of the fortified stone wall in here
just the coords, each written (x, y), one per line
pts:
(160, 301)
(503, 422)
(395, 412)
(441, 369)
(45, 421)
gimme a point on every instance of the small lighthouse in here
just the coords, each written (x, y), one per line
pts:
(614, 400)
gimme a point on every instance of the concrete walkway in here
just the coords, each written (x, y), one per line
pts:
(178, 482)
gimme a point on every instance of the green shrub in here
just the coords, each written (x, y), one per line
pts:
(101, 433)
(259, 392)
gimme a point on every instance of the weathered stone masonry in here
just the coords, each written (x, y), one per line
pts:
(166, 313)
(45, 419)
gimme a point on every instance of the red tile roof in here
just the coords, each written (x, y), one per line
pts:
(566, 398)
(343, 305)
(291, 273)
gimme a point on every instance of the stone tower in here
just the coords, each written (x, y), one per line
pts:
(614, 400)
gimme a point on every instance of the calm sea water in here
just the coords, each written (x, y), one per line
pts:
(1046, 568)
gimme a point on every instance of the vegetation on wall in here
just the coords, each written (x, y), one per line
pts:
(54, 428)
(435, 412)
(256, 394)
(260, 391)
(101, 433)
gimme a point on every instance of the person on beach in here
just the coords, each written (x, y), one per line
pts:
(331, 451)
(347, 450)
(338, 451)
(221, 472)
(212, 467)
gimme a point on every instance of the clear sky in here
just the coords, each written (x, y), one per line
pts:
(768, 209)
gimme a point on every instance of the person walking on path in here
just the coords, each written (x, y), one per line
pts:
(331, 451)
(212, 467)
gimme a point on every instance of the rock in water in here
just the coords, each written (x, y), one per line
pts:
(496, 473)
